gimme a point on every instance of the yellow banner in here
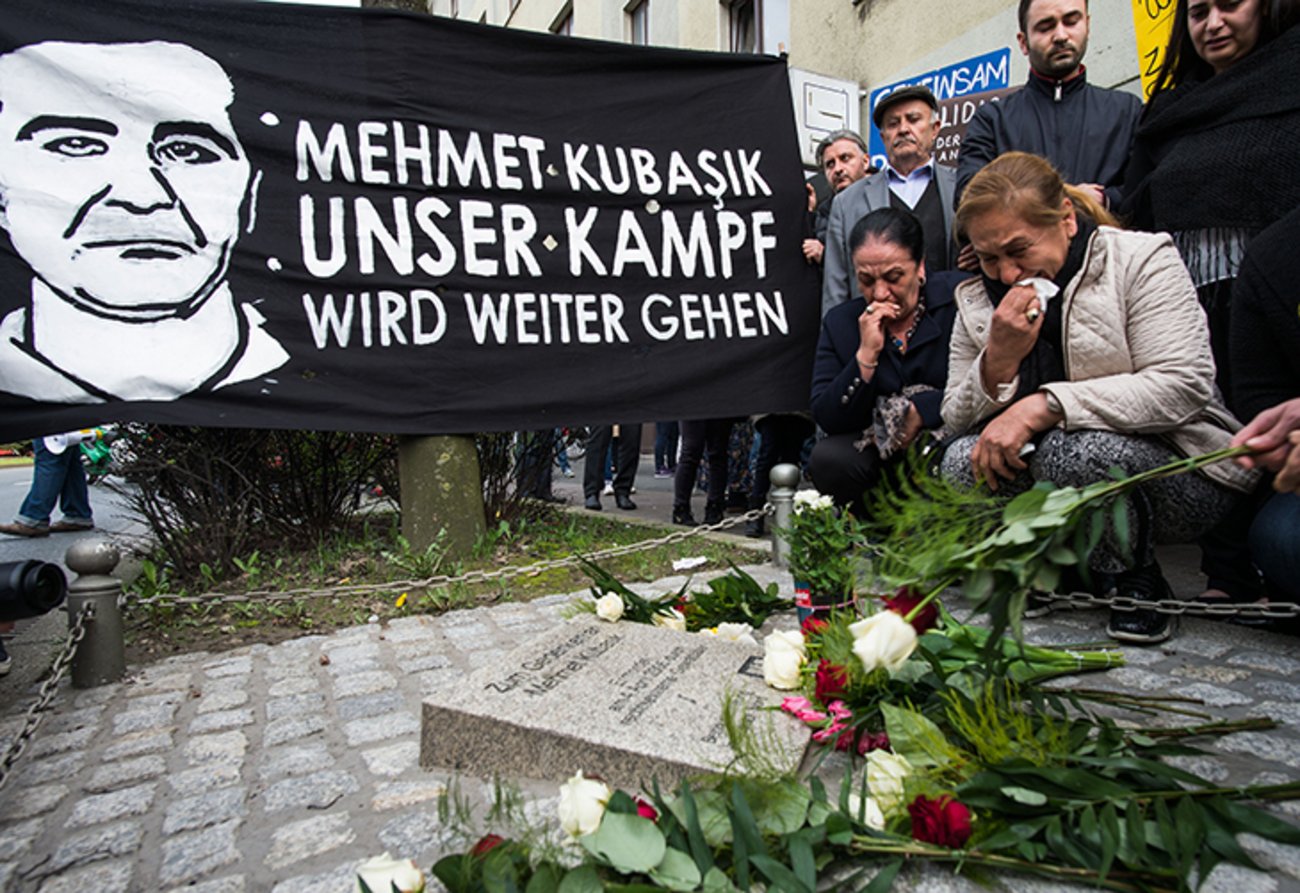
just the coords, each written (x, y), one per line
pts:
(1152, 20)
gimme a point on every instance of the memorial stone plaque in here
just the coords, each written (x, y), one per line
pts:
(624, 701)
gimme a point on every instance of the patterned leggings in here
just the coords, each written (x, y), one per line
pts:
(1176, 509)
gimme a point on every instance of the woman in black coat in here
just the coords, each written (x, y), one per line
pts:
(882, 359)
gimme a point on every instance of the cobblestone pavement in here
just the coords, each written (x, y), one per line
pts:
(280, 768)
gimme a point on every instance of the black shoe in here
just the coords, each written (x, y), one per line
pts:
(624, 502)
(1142, 627)
(593, 503)
(754, 528)
(684, 517)
(713, 512)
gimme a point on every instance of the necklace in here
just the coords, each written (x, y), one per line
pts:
(900, 342)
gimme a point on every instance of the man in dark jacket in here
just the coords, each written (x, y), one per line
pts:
(1085, 131)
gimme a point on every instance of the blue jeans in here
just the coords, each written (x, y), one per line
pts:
(58, 479)
(1275, 544)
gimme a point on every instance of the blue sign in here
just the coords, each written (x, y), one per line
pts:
(979, 74)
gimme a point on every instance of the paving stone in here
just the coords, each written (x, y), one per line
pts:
(364, 683)
(1268, 662)
(201, 810)
(234, 884)
(113, 877)
(294, 685)
(392, 760)
(1211, 673)
(96, 697)
(236, 666)
(316, 791)
(154, 701)
(294, 760)
(394, 795)
(8, 875)
(1272, 855)
(1213, 695)
(413, 660)
(27, 802)
(295, 705)
(416, 835)
(222, 747)
(1143, 657)
(215, 701)
(190, 856)
(343, 877)
(1288, 713)
(470, 637)
(1206, 767)
(1286, 691)
(115, 776)
(372, 705)
(1265, 745)
(60, 742)
(106, 841)
(1227, 878)
(152, 718)
(55, 768)
(1201, 647)
(156, 680)
(381, 728)
(136, 744)
(290, 728)
(17, 838)
(310, 837)
(99, 808)
(353, 655)
(433, 680)
(86, 717)
(221, 719)
(1143, 680)
(204, 778)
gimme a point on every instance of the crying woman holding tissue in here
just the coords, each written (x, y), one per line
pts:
(1080, 348)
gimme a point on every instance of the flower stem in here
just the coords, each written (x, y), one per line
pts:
(910, 615)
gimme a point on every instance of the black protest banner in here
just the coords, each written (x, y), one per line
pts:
(252, 214)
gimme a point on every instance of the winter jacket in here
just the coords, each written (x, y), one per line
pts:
(1136, 352)
(1085, 131)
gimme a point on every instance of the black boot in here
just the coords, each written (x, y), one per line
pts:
(754, 527)
(1141, 627)
(682, 515)
(713, 512)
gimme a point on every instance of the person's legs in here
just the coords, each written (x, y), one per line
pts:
(593, 472)
(48, 473)
(688, 464)
(717, 436)
(1275, 544)
(74, 498)
(626, 461)
(562, 455)
(843, 472)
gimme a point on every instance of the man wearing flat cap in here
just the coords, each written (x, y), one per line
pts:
(908, 121)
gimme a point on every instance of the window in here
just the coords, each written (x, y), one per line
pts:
(563, 23)
(638, 22)
(744, 26)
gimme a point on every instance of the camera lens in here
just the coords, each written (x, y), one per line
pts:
(29, 588)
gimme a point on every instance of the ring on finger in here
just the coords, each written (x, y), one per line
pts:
(871, 308)
(1032, 314)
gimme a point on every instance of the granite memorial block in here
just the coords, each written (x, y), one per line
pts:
(624, 701)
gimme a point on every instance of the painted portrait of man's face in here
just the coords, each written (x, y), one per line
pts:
(121, 177)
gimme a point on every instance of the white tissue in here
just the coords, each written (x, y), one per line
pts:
(1046, 289)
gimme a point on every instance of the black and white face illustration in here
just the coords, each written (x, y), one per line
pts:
(121, 177)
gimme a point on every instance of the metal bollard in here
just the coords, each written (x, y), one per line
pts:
(101, 656)
(785, 480)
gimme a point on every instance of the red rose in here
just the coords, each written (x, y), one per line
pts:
(907, 598)
(646, 811)
(944, 822)
(869, 742)
(832, 679)
(813, 626)
(487, 843)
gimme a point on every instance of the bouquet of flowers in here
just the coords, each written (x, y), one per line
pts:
(823, 540)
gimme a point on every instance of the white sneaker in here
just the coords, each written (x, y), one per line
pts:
(609, 489)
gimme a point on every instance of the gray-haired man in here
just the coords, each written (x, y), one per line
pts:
(842, 157)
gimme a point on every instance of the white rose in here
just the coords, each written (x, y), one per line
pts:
(884, 640)
(384, 873)
(783, 655)
(886, 771)
(674, 619)
(582, 804)
(867, 811)
(609, 607)
(735, 632)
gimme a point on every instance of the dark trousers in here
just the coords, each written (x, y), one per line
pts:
(780, 439)
(625, 462)
(705, 438)
(844, 473)
(666, 435)
(533, 467)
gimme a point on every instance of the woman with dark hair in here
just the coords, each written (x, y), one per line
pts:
(1081, 349)
(882, 358)
(1215, 161)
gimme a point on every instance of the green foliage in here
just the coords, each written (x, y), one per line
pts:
(734, 598)
(422, 563)
(822, 542)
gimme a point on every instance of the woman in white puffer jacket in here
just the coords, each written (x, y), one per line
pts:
(1082, 347)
